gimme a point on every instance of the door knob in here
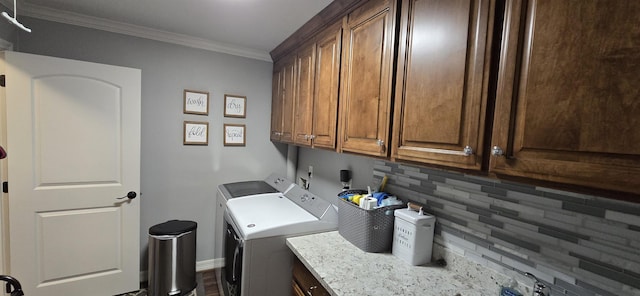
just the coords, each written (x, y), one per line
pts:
(130, 195)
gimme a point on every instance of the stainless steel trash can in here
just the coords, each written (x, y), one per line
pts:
(172, 258)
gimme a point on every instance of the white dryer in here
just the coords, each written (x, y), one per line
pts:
(272, 184)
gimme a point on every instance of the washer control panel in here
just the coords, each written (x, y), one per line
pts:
(308, 201)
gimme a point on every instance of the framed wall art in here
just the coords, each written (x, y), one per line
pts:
(235, 106)
(196, 133)
(234, 134)
(196, 102)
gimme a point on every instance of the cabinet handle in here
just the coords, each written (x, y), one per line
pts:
(310, 291)
(468, 151)
(312, 137)
(497, 151)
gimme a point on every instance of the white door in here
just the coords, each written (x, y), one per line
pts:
(73, 146)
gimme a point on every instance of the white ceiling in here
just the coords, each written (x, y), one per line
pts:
(248, 28)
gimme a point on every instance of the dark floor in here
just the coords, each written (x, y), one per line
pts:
(210, 283)
(206, 278)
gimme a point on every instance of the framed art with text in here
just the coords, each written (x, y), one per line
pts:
(235, 106)
(196, 133)
(196, 102)
(234, 135)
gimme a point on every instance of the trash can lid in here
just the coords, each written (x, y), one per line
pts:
(173, 227)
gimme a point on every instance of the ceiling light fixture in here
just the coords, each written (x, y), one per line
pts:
(13, 19)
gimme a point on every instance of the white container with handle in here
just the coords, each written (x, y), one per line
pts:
(413, 235)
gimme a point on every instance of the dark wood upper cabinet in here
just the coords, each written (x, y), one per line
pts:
(442, 81)
(282, 104)
(306, 80)
(327, 78)
(288, 96)
(366, 78)
(276, 101)
(303, 98)
(568, 95)
(559, 79)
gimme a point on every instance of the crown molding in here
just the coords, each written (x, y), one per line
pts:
(71, 18)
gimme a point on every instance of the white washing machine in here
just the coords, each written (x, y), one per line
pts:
(257, 259)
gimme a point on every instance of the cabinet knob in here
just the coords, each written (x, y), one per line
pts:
(497, 151)
(381, 145)
(310, 291)
(468, 151)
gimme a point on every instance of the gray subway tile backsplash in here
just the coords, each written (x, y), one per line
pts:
(481, 211)
(490, 221)
(580, 244)
(623, 217)
(559, 234)
(504, 211)
(622, 207)
(494, 190)
(584, 209)
(595, 288)
(516, 241)
(571, 288)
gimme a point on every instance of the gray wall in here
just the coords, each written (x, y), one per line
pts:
(7, 30)
(325, 181)
(177, 181)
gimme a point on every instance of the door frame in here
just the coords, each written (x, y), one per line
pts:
(4, 235)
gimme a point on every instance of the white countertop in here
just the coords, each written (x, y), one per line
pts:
(345, 270)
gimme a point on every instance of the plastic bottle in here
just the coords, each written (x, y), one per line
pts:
(509, 288)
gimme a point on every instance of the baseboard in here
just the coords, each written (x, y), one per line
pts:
(209, 264)
(200, 266)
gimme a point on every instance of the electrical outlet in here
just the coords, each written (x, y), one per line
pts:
(310, 171)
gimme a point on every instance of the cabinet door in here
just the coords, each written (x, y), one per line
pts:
(296, 290)
(325, 103)
(276, 102)
(288, 96)
(570, 111)
(365, 100)
(441, 84)
(303, 280)
(302, 114)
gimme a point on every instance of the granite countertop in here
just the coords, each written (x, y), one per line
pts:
(345, 270)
